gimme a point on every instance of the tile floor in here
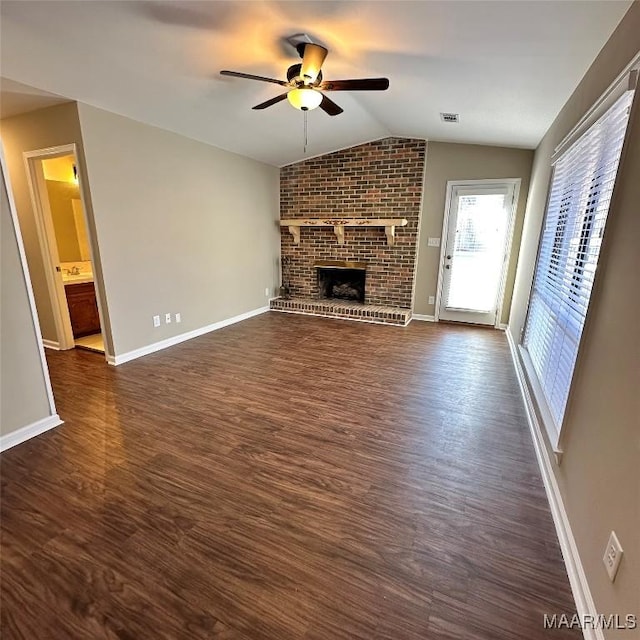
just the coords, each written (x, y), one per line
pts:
(94, 342)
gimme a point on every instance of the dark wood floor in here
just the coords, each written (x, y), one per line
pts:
(286, 477)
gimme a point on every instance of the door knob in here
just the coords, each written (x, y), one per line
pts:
(448, 257)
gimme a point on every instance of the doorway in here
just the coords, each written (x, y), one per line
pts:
(65, 242)
(477, 231)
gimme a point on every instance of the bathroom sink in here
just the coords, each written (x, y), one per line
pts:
(77, 279)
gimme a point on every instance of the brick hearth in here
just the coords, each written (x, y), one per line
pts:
(344, 310)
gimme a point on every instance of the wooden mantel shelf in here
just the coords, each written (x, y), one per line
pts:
(339, 224)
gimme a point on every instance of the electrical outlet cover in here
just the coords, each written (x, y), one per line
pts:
(433, 242)
(612, 556)
(178, 317)
(156, 321)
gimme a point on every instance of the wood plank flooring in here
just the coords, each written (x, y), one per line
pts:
(284, 478)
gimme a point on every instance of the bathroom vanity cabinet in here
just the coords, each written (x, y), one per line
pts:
(83, 308)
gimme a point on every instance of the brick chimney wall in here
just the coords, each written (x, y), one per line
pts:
(382, 179)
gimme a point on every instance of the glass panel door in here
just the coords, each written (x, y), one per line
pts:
(479, 222)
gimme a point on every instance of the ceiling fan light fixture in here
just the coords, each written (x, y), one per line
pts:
(304, 99)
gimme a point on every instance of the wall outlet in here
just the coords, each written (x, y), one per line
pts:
(167, 318)
(432, 300)
(156, 321)
(266, 292)
(178, 317)
(612, 556)
(433, 242)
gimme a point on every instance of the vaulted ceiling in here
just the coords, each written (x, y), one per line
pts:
(505, 67)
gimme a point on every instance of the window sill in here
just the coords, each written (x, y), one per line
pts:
(542, 409)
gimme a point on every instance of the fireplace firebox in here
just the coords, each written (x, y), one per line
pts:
(341, 280)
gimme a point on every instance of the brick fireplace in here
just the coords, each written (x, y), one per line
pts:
(377, 180)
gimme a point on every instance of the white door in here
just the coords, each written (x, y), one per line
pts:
(478, 224)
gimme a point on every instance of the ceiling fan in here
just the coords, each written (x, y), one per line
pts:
(305, 84)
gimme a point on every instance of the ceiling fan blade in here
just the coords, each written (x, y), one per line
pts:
(248, 76)
(330, 107)
(268, 103)
(361, 84)
(312, 60)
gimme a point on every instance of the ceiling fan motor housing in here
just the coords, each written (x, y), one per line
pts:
(294, 75)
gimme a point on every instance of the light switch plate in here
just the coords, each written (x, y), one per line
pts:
(433, 242)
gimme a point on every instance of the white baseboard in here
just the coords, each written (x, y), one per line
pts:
(30, 431)
(51, 344)
(169, 342)
(585, 604)
(420, 316)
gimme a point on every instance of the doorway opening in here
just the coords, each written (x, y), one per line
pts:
(65, 240)
(477, 231)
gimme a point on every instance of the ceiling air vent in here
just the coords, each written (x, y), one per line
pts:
(450, 117)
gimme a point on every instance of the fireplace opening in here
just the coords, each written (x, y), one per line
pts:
(342, 282)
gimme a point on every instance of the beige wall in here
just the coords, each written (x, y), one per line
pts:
(182, 226)
(599, 477)
(23, 391)
(61, 196)
(447, 161)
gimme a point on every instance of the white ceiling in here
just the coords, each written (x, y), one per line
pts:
(506, 67)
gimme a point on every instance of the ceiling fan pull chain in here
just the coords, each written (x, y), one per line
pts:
(305, 131)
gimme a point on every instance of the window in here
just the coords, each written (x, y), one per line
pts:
(581, 188)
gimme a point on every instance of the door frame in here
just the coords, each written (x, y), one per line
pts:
(451, 184)
(47, 240)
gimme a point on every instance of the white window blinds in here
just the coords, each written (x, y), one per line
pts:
(581, 188)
